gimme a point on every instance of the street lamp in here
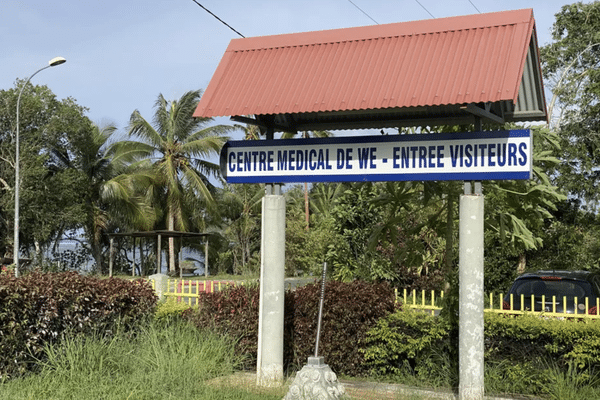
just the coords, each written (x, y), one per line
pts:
(52, 63)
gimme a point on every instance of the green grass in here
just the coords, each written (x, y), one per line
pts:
(177, 361)
(168, 362)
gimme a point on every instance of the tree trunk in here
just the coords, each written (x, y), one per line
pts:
(449, 233)
(306, 206)
(38, 253)
(522, 263)
(449, 239)
(97, 251)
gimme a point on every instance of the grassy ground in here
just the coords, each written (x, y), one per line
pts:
(174, 362)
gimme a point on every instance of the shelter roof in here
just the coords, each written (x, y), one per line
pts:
(430, 72)
(165, 233)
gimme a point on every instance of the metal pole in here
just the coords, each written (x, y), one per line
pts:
(320, 309)
(52, 63)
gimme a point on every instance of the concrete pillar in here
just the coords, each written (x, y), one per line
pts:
(471, 297)
(161, 284)
(272, 290)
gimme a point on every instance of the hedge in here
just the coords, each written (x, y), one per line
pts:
(519, 348)
(350, 310)
(41, 308)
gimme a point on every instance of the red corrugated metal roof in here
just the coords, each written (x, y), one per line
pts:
(459, 60)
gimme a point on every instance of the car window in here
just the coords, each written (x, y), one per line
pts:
(596, 281)
(549, 288)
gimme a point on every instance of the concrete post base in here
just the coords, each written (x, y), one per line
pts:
(315, 381)
(160, 284)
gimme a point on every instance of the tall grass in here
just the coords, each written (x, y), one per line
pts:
(174, 361)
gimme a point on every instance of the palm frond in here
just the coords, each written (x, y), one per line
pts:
(140, 127)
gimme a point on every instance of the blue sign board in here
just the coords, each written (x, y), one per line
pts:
(500, 155)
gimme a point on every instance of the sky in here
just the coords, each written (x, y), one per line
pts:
(122, 54)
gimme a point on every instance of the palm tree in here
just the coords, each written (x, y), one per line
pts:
(242, 209)
(110, 194)
(172, 157)
(95, 162)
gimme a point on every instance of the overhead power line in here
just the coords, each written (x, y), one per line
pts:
(362, 11)
(475, 7)
(223, 22)
(424, 8)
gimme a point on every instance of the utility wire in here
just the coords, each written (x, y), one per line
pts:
(350, 1)
(425, 8)
(223, 22)
(475, 6)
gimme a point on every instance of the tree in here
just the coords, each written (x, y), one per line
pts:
(572, 66)
(109, 198)
(172, 156)
(49, 195)
(240, 207)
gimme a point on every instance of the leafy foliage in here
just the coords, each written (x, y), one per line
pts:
(350, 309)
(571, 65)
(170, 160)
(406, 340)
(50, 197)
(517, 349)
(240, 207)
(39, 309)
(170, 310)
(355, 214)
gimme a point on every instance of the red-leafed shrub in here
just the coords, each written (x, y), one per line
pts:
(233, 312)
(350, 310)
(40, 308)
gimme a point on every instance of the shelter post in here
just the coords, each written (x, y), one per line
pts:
(111, 257)
(158, 254)
(206, 257)
(133, 257)
(272, 287)
(471, 297)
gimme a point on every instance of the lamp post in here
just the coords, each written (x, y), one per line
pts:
(52, 63)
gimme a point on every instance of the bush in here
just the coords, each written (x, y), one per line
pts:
(521, 352)
(571, 343)
(170, 310)
(350, 310)
(405, 339)
(41, 308)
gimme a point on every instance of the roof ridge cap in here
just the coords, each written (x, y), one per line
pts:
(394, 29)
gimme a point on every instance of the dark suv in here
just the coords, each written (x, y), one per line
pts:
(564, 286)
